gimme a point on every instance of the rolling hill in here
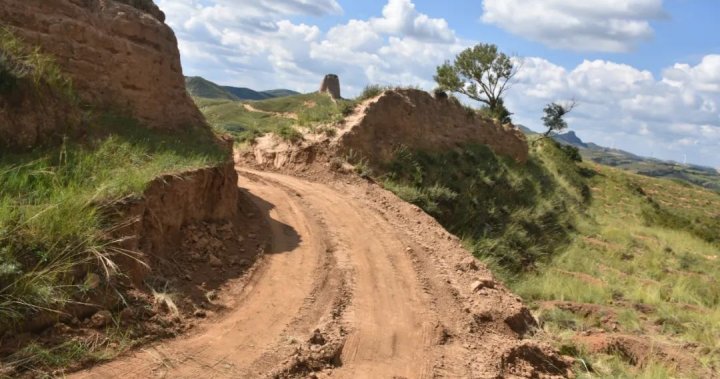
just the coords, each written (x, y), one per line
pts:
(201, 87)
(706, 177)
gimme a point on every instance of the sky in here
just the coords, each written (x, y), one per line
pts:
(645, 73)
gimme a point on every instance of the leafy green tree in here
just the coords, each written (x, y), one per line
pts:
(554, 119)
(481, 73)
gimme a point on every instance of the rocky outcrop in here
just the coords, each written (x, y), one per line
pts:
(118, 55)
(415, 119)
(331, 86)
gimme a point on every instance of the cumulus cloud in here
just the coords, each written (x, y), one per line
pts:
(232, 38)
(598, 25)
(259, 44)
(629, 108)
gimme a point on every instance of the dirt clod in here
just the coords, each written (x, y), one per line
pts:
(317, 338)
(101, 318)
(482, 283)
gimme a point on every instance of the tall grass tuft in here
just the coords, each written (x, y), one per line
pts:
(20, 61)
(52, 226)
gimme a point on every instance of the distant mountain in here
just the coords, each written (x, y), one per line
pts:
(694, 174)
(571, 138)
(245, 93)
(200, 87)
(249, 94)
(280, 93)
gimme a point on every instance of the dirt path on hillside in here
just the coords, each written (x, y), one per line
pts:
(347, 290)
(290, 115)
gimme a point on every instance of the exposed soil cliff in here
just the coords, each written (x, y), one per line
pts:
(170, 203)
(117, 55)
(419, 121)
(379, 126)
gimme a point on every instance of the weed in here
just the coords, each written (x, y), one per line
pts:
(371, 91)
(19, 61)
(289, 133)
(52, 205)
(515, 215)
(328, 131)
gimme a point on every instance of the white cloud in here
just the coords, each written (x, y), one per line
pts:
(401, 18)
(233, 38)
(703, 77)
(621, 105)
(597, 25)
(664, 115)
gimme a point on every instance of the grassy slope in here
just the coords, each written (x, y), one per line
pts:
(52, 229)
(515, 215)
(645, 242)
(51, 204)
(701, 176)
(200, 87)
(587, 233)
(280, 115)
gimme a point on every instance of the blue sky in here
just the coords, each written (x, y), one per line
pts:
(646, 73)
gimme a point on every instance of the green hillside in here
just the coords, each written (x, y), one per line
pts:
(247, 94)
(601, 254)
(705, 177)
(284, 116)
(203, 88)
(200, 87)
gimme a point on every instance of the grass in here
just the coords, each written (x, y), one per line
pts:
(557, 229)
(311, 109)
(41, 360)
(52, 225)
(510, 214)
(279, 115)
(19, 61)
(653, 259)
(244, 125)
(372, 90)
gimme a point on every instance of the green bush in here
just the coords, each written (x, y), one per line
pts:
(572, 152)
(289, 133)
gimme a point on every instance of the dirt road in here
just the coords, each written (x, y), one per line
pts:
(351, 269)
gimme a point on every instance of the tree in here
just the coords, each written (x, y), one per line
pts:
(554, 119)
(481, 73)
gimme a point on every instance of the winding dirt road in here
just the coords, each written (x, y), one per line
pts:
(356, 271)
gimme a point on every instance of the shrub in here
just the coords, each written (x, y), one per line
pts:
(289, 133)
(347, 108)
(572, 152)
(371, 91)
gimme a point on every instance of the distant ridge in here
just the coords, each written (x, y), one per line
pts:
(571, 138)
(200, 87)
(694, 174)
